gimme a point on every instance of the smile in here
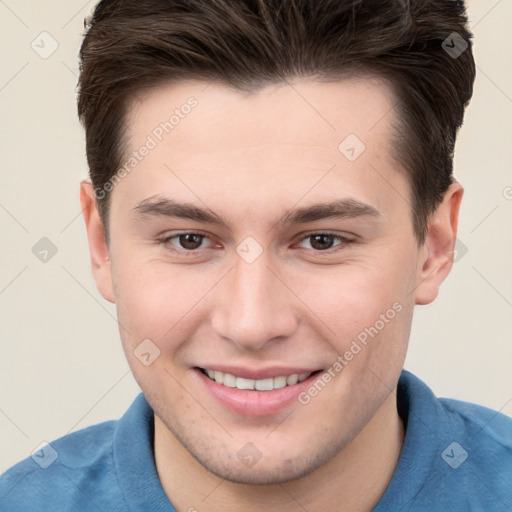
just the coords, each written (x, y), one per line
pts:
(269, 384)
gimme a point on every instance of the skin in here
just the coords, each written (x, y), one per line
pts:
(250, 158)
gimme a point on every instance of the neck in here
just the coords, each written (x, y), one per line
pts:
(352, 481)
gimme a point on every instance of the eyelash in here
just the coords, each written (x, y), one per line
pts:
(193, 252)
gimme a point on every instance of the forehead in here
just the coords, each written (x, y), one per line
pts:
(266, 145)
(299, 111)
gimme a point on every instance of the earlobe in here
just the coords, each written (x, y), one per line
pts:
(436, 255)
(98, 248)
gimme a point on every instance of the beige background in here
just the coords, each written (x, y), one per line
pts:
(62, 367)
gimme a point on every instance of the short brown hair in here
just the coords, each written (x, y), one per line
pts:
(131, 45)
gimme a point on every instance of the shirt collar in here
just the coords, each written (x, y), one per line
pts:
(134, 461)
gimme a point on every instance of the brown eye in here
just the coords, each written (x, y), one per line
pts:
(190, 241)
(186, 244)
(322, 242)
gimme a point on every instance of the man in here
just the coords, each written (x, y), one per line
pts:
(271, 194)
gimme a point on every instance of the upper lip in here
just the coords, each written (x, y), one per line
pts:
(259, 373)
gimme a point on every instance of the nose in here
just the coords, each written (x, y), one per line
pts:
(254, 306)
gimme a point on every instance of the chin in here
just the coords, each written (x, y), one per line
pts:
(263, 472)
(273, 465)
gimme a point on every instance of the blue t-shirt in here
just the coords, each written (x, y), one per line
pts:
(456, 456)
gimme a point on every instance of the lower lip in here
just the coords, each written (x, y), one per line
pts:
(255, 403)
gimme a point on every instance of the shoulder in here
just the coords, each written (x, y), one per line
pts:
(480, 419)
(59, 472)
(488, 434)
(456, 456)
(456, 417)
(483, 433)
(478, 459)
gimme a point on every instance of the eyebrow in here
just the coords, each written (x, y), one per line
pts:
(158, 206)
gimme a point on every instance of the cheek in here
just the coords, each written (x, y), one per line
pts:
(348, 297)
(365, 311)
(153, 301)
(156, 299)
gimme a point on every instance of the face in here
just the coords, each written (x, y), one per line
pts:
(265, 240)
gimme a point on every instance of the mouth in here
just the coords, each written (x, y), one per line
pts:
(274, 392)
(268, 384)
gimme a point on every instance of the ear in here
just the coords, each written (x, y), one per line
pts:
(98, 248)
(436, 255)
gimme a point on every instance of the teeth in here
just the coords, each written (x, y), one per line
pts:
(292, 379)
(264, 384)
(279, 382)
(244, 383)
(269, 384)
(229, 380)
